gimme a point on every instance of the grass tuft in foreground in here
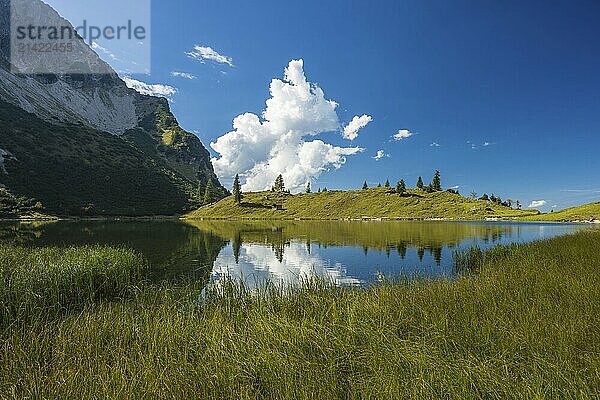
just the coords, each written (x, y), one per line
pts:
(526, 326)
(45, 282)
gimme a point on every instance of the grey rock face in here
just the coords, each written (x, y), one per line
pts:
(100, 100)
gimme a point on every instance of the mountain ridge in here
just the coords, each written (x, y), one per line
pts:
(46, 107)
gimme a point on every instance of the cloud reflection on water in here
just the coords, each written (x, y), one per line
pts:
(258, 263)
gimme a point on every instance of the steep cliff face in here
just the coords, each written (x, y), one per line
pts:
(96, 98)
(90, 119)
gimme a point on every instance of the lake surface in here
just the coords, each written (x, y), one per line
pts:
(348, 252)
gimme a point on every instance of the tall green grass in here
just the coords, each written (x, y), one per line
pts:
(43, 282)
(526, 326)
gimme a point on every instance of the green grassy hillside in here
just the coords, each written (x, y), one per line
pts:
(370, 203)
(586, 212)
(73, 170)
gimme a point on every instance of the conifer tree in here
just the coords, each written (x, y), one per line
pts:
(279, 186)
(420, 184)
(379, 185)
(208, 192)
(237, 190)
(201, 189)
(365, 186)
(387, 183)
(308, 190)
(401, 187)
(436, 183)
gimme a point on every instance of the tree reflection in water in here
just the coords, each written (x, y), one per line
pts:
(347, 252)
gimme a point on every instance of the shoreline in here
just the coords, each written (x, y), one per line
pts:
(381, 219)
(99, 218)
(366, 219)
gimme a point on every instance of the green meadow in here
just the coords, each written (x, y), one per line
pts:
(586, 212)
(355, 204)
(517, 321)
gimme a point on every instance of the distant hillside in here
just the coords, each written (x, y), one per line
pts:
(370, 203)
(587, 212)
(81, 171)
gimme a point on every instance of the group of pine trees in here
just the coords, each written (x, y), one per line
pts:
(278, 187)
(497, 200)
(206, 194)
(15, 206)
(309, 189)
(434, 186)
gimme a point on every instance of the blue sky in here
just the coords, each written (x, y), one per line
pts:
(521, 78)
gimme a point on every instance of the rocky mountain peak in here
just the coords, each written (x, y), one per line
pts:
(97, 100)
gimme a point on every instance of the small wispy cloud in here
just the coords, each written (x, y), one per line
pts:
(537, 203)
(434, 144)
(402, 134)
(379, 155)
(185, 75)
(206, 53)
(476, 146)
(581, 190)
(150, 89)
(351, 130)
(104, 50)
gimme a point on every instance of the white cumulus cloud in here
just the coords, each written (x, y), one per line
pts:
(150, 89)
(379, 155)
(185, 75)
(402, 134)
(260, 148)
(204, 53)
(537, 203)
(357, 123)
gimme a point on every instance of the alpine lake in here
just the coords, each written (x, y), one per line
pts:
(353, 253)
